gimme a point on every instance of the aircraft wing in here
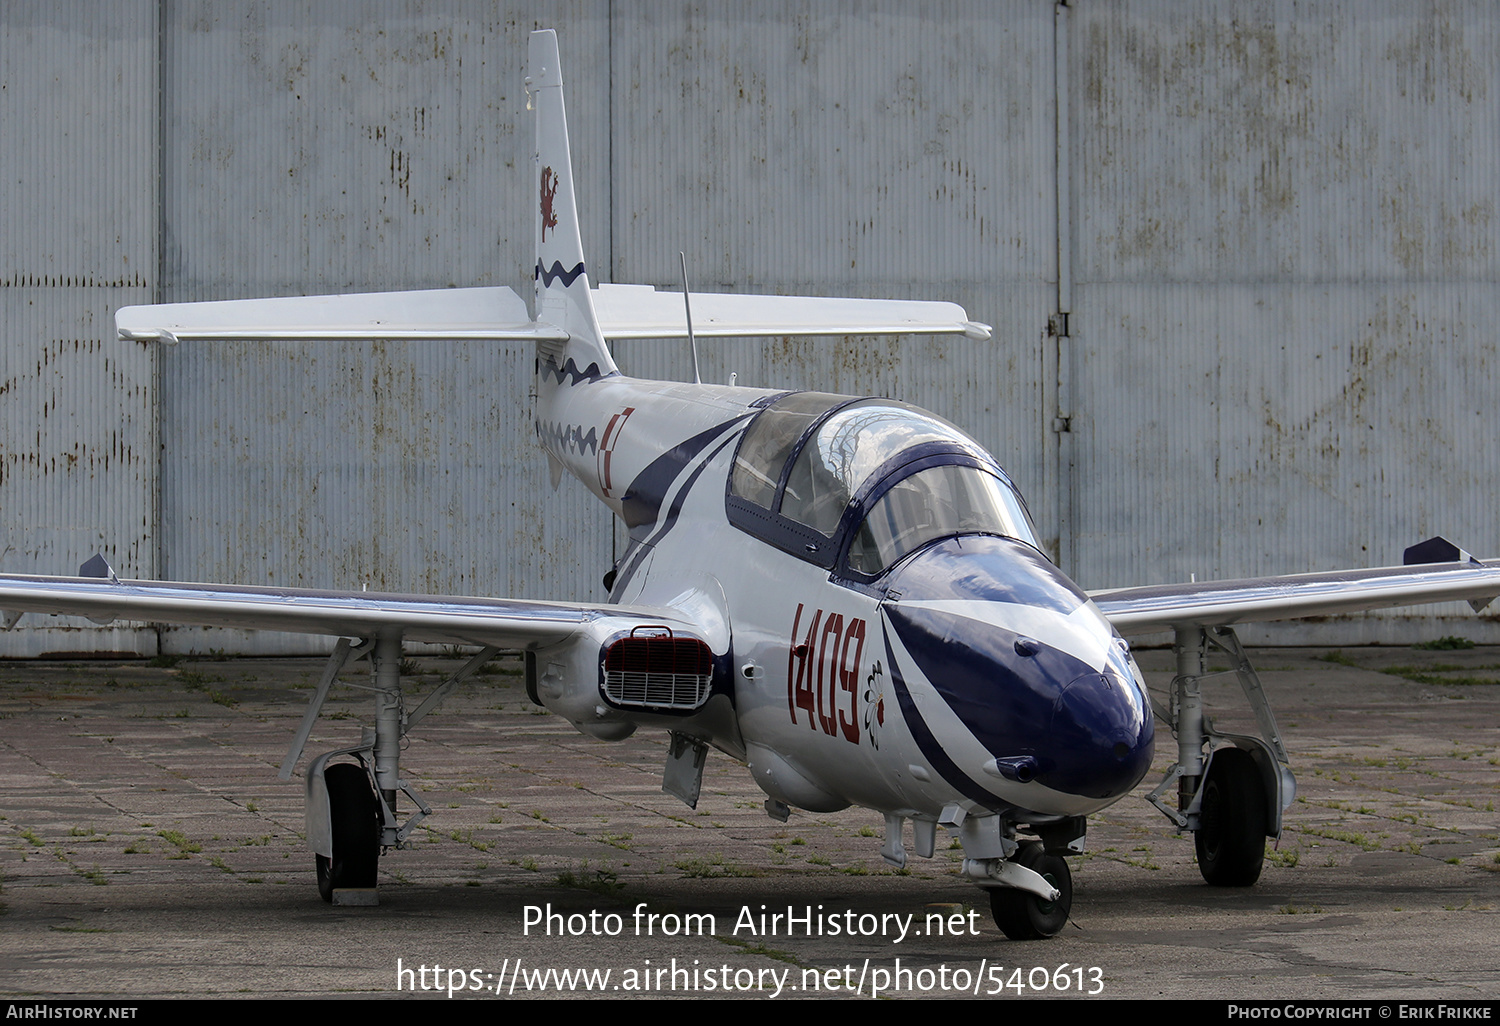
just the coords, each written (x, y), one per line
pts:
(507, 624)
(639, 311)
(1207, 604)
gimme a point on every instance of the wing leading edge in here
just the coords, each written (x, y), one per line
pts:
(1166, 607)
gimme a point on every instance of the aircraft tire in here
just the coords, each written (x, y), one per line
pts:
(1231, 835)
(1023, 916)
(355, 816)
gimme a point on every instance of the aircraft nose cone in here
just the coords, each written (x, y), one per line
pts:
(1100, 737)
(1055, 704)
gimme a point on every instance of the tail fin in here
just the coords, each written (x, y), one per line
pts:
(562, 283)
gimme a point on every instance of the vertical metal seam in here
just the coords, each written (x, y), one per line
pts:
(609, 162)
(155, 459)
(1063, 194)
(1061, 336)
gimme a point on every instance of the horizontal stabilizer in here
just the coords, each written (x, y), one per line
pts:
(640, 311)
(498, 314)
(483, 314)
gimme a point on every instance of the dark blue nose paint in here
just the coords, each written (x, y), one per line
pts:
(1089, 731)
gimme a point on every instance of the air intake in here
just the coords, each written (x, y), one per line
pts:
(657, 671)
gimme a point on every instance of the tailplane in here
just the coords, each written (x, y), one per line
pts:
(562, 282)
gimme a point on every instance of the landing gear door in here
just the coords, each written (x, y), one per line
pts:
(1277, 782)
(318, 812)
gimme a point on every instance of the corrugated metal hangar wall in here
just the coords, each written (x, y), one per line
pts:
(1241, 258)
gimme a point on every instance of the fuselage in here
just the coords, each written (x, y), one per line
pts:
(882, 622)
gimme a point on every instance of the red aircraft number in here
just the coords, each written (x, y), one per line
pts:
(823, 672)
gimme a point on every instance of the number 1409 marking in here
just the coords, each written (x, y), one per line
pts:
(823, 672)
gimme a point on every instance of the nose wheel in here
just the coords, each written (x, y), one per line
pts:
(1025, 916)
(354, 816)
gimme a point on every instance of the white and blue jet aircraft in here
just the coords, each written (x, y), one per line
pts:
(846, 594)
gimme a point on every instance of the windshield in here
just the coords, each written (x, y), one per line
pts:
(936, 503)
(846, 449)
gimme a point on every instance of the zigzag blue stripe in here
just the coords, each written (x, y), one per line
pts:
(549, 276)
(569, 372)
(569, 437)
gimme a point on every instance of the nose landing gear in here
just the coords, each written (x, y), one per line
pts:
(1022, 915)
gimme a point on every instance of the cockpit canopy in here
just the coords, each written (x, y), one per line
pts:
(853, 485)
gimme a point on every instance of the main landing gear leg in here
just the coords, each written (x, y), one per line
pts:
(351, 808)
(388, 729)
(351, 811)
(1232, 796)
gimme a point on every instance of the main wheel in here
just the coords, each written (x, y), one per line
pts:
(1231, 836)
(355, 818)
(1024, 916)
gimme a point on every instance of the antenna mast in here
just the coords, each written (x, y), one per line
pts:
(688, 307)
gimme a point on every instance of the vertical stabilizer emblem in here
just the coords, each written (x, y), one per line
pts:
(549, 192)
